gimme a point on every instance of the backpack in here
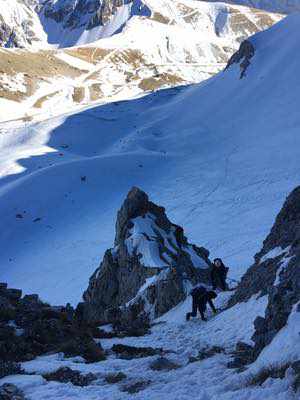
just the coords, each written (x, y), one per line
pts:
(198, 291)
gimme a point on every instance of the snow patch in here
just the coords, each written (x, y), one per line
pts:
(277, 251)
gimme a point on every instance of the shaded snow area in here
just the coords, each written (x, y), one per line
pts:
(148, 240)
(208, 379)
(220, 156)
(277, 251)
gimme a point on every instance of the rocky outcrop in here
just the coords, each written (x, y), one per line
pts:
(29, 328)
(242, 57)
(276, 273)
(149, 269)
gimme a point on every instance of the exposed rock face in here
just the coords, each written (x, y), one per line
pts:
(150, 266)
(275, 272)
(243, 57)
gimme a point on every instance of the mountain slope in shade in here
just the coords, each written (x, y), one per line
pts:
(221, 156)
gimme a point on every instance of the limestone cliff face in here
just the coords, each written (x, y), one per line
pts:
(151, 266)
(276, 272)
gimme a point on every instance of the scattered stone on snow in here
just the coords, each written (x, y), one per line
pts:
(115, 377)
(207, 353)
(136, 387)
(66, 374)
(130, 352)
(163, 364)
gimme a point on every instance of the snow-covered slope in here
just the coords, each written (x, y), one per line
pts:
(190, 41)
(282, 6)
(220, 156)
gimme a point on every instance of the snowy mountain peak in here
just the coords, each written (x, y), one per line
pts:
(20, 25)
(65, 23)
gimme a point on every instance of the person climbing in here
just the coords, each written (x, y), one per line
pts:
(201, 297)
(219, 275)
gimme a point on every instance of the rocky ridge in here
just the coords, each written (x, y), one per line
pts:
(242, 57)
(275, 273)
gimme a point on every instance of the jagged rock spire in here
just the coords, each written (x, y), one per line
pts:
(151, 265)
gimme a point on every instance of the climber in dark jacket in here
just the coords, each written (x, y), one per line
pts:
(201, 297)
(219, 274)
